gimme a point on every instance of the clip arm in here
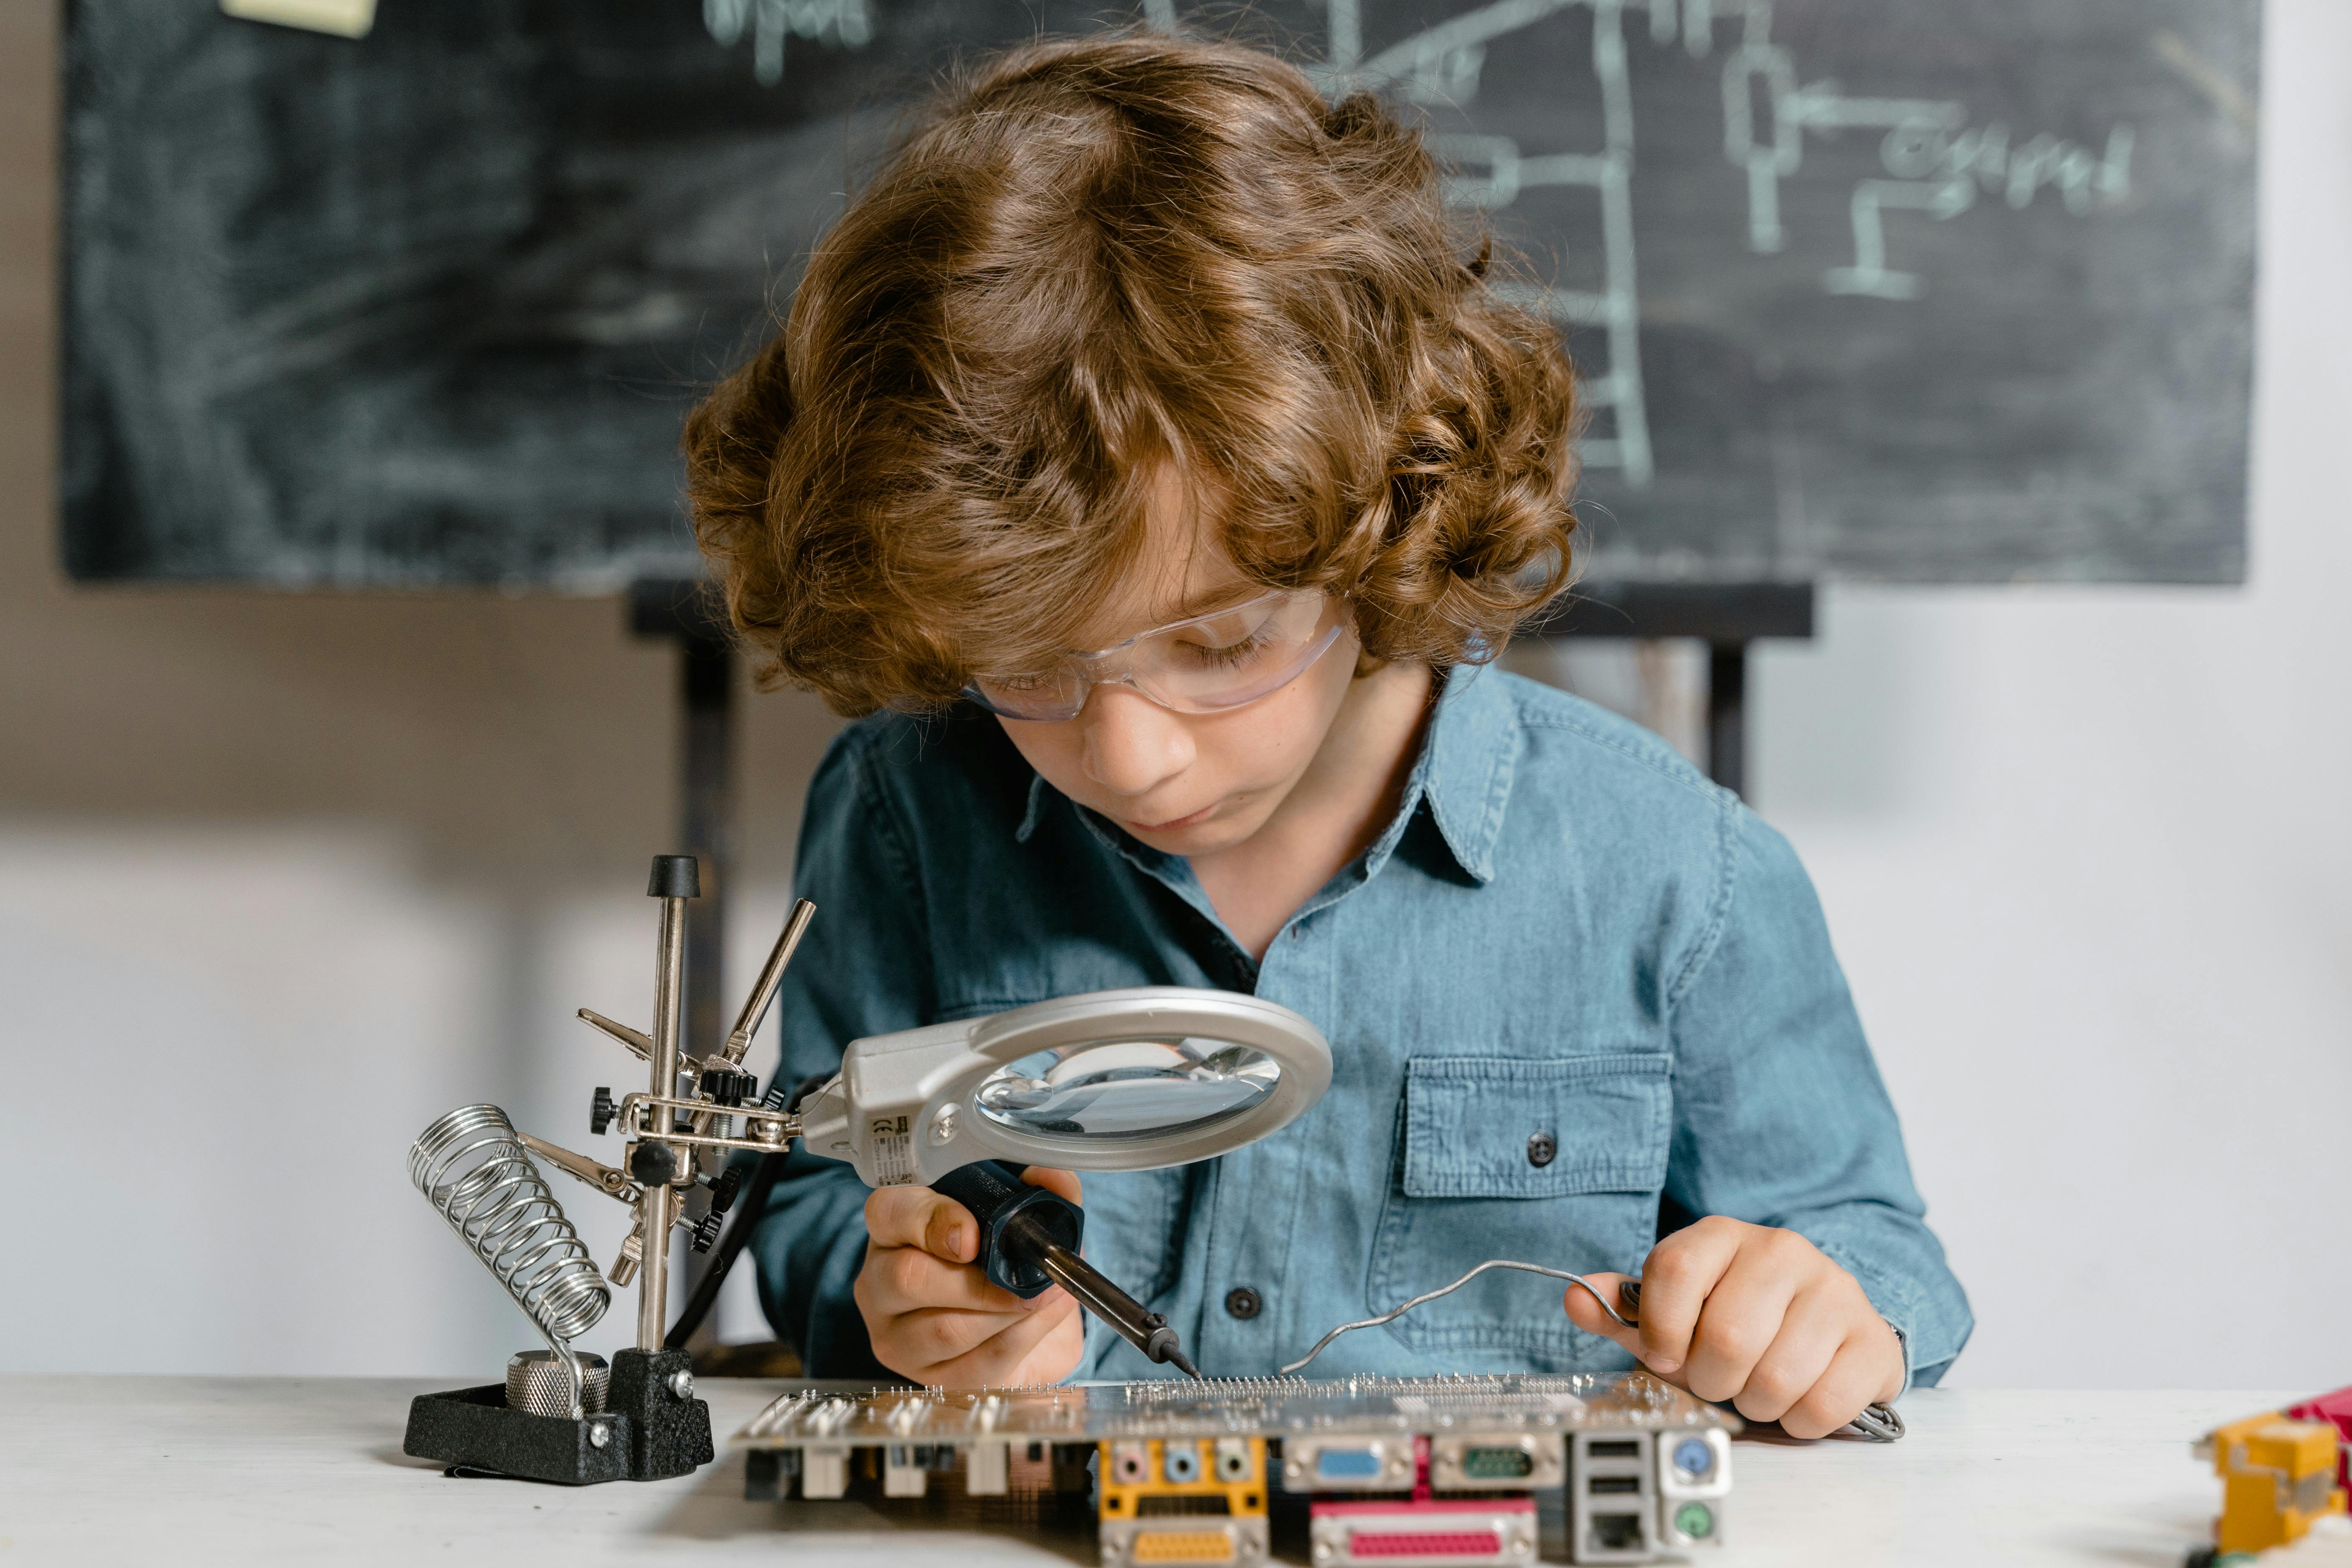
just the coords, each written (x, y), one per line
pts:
(603, 1178)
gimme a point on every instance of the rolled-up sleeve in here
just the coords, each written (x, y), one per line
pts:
(863, 969)
(1780, 1117)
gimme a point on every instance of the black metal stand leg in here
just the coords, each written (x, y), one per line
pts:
(1727, 716)
(706, 813)
(1726, 617)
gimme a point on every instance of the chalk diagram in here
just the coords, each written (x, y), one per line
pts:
(844, 24)
(1936, 159)
(1937, 162)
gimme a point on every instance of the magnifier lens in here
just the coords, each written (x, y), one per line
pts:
(1109, 1090)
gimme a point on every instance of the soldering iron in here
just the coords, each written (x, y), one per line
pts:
(1029, 1239)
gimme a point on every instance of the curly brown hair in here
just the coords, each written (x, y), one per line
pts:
(1093, 258)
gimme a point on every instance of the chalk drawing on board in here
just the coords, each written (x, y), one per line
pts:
(1442, 64)
(841, 24)
(557, 230)
(1615, 307)
(1936, 160)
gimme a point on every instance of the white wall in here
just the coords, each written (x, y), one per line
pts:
(285, 878)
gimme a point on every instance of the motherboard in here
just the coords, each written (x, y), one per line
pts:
(1439, 1472)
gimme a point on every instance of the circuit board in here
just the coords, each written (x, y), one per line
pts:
(1438, 1472)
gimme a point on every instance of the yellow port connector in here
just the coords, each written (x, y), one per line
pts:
(1184, 1546)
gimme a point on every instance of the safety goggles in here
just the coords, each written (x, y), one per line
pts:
(1206, 664)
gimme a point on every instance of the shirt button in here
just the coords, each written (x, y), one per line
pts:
(1242, 1303)
(1540, 1150)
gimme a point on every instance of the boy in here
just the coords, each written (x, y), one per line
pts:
(1138, 347)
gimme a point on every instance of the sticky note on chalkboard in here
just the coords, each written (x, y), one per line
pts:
(344, 18)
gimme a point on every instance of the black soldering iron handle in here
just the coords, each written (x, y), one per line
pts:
(1029, 1241)
(997, 1195)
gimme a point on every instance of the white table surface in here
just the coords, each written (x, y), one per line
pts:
(157, 1472)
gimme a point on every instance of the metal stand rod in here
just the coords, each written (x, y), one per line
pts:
(661, 1199)
(771, 975)
(689, 613)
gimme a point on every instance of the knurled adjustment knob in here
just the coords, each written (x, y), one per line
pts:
(729, 1087)
(705, 1231)
(653, 1165)
(601, 1111)
(724, 1187)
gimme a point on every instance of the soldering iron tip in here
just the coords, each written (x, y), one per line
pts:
(1185, 1366)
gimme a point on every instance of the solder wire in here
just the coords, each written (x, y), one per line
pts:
(1880, 1423)
(1393, 1314)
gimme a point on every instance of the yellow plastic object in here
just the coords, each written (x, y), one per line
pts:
(1134, 1478)
(2277, 1476)
(1184, 1546)
(1197, 1501)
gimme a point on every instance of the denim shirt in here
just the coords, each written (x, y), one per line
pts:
(1576, 996)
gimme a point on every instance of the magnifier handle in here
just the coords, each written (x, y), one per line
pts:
(997, 1195)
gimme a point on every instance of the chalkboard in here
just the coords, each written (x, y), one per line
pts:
(1917, 289)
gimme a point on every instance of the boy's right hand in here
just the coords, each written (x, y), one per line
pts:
(932, 1314)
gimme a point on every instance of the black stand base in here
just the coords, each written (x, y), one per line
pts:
(646, 1433)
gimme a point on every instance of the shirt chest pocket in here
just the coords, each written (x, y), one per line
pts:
(1554, 1162)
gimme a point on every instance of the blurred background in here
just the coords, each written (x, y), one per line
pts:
(283, 875)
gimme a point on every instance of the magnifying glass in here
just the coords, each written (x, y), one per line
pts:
(1112, 1080)
(1132, 1080)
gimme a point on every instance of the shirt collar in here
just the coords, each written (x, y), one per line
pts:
(1464, 773)
(1039, 792)
(1465, 766)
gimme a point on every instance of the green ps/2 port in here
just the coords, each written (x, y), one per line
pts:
(1496, 1464)
(1694, 1519)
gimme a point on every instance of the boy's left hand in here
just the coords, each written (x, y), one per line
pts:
(1756, 1316)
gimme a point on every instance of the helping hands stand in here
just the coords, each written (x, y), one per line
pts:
(648, 1425)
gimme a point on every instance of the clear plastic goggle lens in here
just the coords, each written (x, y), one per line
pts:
(1203, 664)
(1128, 1088)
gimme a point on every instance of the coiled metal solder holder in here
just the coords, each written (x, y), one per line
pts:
(474, 1170)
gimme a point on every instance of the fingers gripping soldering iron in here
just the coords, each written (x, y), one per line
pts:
(1029, 1241)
